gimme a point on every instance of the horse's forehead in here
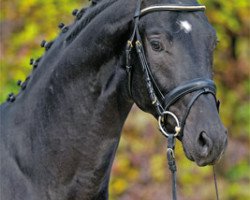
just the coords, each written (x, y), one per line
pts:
(172, 21)
(169, 18)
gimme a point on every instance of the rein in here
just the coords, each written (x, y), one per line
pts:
(160, 101)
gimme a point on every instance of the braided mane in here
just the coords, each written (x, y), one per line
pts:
(68, 33)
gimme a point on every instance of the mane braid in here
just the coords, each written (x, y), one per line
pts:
(73, 29)
(68, 33)
(97, 9)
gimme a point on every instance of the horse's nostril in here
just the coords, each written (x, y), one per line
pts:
(201, 139)
(205, 143)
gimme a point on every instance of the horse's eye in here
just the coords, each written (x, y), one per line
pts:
(156, 45)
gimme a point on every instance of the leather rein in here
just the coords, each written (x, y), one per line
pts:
(160, 101)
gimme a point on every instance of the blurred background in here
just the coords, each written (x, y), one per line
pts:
(140, 170)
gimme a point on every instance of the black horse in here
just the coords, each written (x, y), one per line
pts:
(59, 135)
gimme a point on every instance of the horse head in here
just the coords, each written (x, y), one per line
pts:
(173, 65)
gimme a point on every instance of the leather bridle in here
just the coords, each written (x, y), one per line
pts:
(160, 101)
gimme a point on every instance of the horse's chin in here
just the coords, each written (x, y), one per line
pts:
(201, 162)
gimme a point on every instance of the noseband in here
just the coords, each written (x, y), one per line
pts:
(162, 102)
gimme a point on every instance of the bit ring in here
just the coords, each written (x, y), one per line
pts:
(161, 125)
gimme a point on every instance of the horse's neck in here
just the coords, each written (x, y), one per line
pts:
(75, 128)
(72, 112)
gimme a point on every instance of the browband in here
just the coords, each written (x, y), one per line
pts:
(172, 7)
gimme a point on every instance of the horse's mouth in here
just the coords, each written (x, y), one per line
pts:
(201, 162)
